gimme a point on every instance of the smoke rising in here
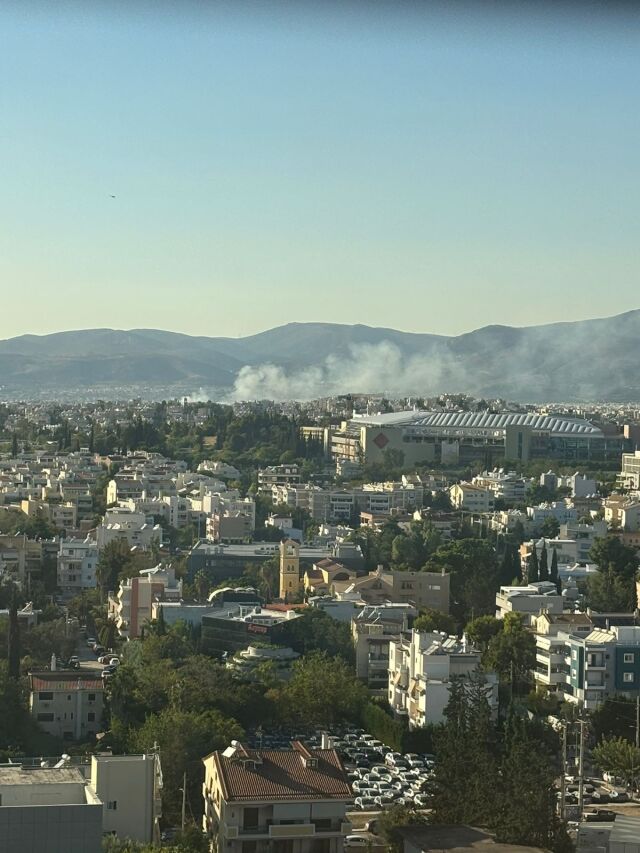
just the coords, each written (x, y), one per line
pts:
(368, 368)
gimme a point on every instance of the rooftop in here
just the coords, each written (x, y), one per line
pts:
(556, 424)
(248, 775)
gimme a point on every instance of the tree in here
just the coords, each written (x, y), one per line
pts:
(474, 576)
(466, 770)
(482, 630)
(184, 738)
(435, 620)
(544, 563)
(610, 592)
(108, 634)
(554, 575)
(620, 757)
(550, 527)
(114, 558)
(13, 639)
(340, 698)
(512, 653)
(391, 819)
(610, 553)
(526, 795)
(14, 445)
(614, 717)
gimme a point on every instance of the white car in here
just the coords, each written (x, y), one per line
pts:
(355, 841)
(365, 803)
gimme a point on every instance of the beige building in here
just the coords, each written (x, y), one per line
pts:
(275, 801)
(322, 576)
(372, 629)
(629, 476)
(472, 498)
(129, 787)
(421, 589)
(67, 705)
(132, 607)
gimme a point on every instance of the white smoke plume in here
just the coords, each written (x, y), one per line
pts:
(369, 368)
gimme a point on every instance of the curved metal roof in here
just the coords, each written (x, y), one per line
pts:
(556, 424)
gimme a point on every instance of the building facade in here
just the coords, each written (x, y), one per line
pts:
(275, 801)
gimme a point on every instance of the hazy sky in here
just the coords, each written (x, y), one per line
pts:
(386, 164)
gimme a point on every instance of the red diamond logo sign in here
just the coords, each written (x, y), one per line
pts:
(381, 440)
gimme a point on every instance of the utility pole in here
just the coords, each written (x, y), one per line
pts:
(184, 799)
(581, 768)
(638, 721)
(563, 781)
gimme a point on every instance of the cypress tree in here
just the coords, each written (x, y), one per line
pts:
(14, 445)
(13, 639)
(544, 563)
(554, 577)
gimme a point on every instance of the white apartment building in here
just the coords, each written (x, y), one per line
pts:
(528, 600)
(275, 801)
(421, 668)
(77, 564)
(560, 510)
(471, 498)
(505, 485)
(132, 607)
(67, 705)
(48, 810)
(133, 527)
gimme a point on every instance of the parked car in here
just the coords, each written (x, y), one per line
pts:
(104, 659)
(598, 815)
(365, 803)
(384, 800)
(372, 825)
(91, 641)
(99, 650)
(619, 797)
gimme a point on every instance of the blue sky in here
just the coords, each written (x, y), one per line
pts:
(391, 164)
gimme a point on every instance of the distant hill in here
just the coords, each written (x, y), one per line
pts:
(590, 359)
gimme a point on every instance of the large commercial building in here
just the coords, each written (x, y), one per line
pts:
(456, 438)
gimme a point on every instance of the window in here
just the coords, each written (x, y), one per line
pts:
(69, 697)
(91, 697)
(112, 805)
(250, 818)
(45, 718)
(91, 717)
(628, 677)
(629, 657)
(45, 697)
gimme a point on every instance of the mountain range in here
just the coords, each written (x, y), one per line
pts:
(582, 360)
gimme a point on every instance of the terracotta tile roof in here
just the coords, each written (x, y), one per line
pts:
(64, 681)
(282, 775)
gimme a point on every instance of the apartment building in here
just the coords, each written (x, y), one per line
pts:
(528, 600)
(129, 788)
(48, 810)
(67, 705)
(586, 670)
(278, 475)
(561, 511)
(322, 576)
(234, 528)
(372, 629)
(275, 801)
(77, 564)
(471, 498)
(132, 607)
(629, 476)
(421, 589)
(422, 665)
(505, 485)
(135, 528)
